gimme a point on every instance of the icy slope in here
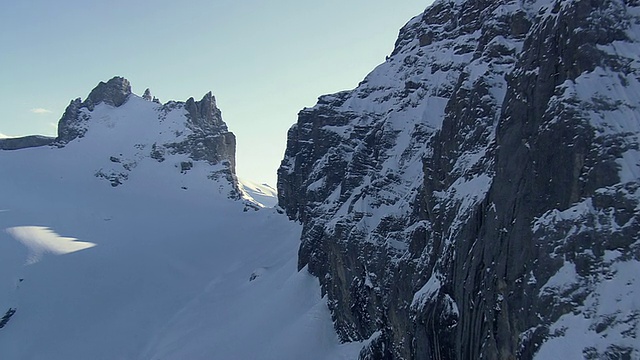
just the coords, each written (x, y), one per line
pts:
(109, 251)
(167, 275)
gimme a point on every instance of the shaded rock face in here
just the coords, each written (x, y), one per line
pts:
(73, 123)
(114, 92)
(210, 139)
(476, 196)
(25, 142)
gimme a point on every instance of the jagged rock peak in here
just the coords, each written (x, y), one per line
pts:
(147, 95)
(25, 142)
(114, 92)
(204, 117)
(204, 114)
(121, 130)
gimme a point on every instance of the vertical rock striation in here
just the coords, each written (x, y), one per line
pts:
(476, 196)
(210, 139)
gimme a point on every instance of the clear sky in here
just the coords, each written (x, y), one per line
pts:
(263, 60)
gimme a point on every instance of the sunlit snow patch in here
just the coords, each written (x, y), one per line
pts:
(40, 240)
(263, 194)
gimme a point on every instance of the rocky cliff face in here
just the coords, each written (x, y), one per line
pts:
(477, 195)
(73, 123)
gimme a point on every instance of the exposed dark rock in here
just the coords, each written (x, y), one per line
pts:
(6, 317)
(114, 178)
(185, 166)
(73, 123)
(114, 92)
(147, 95)
(210, 139)
(522, 120)
(25, 142)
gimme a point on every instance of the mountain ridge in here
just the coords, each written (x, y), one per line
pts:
(191, 130)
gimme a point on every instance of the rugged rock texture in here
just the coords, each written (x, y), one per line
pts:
(25, 142)
(73, 123)
(210, 139)
(477, 196)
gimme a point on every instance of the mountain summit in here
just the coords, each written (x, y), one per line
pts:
(477, 195)
(114, 92)
(113, 134)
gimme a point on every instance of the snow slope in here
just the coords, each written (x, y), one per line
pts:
(263, 194)
(162, 266)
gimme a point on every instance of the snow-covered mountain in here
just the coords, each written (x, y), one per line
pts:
(477, 195)
(129, 237)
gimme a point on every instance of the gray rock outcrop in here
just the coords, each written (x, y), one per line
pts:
(476, 196)
(210, 139)
(25, 142)
(114, 92)
(73, 123)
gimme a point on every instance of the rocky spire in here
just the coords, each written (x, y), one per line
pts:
(68, 126)
(147, 95)
(204, 114)
(211, 139)
(114, 92)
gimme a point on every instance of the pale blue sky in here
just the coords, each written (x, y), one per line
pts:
(263, 60)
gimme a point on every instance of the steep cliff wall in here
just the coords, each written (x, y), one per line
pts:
(476, 196)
